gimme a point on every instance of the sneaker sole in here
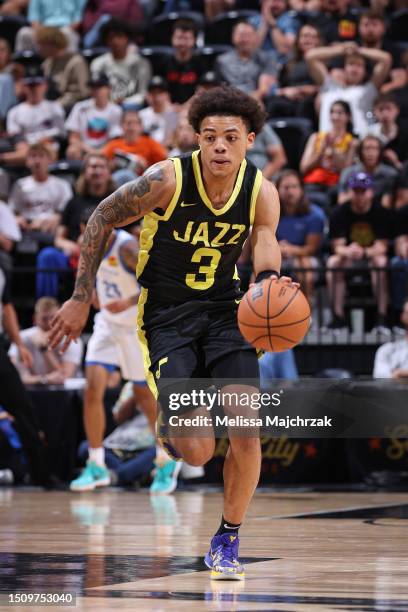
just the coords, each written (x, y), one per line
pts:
(226, 576)
(92, 486)
(173, 485)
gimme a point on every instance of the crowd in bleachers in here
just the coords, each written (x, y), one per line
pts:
(94, 92)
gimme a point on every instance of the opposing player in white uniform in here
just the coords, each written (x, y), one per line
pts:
(114, 344)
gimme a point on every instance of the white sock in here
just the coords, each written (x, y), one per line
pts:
(97, 455)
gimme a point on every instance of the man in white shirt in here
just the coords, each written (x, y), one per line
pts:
(92, 122)
(159, 118)
(391, 359)
(128, 72)
(9, 234)
(355, 89)
(39, 199)
(48, 367)
(32, 121)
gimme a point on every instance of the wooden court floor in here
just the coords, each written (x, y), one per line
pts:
(303, 551)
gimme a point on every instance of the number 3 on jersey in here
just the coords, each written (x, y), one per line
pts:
(207, 270)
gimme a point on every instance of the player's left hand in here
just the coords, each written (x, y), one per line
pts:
(118, 305)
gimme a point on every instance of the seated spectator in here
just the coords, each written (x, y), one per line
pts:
(327, 154)
(386, 111)
(296, 89)
(128, 72)
(66, 71)
(7, 93)
(159, 118)
(185, 139)
(267, 152)
(401, 186)
(399, 86)
(182, 69)
(383, 176)
(277, 365)
(36, 120)
(99, 12)
(93, 185)
(133, 152)
(130, 449)
(355, 89)
(336, 21)
(39, 199)
(399, 263)
(246, 67)
(372, 32)
(300, 229)
(64, 15)
(360, 234)
(49, 367)
(10, 233)
(391, 359)
(93, 122)
(276, 28)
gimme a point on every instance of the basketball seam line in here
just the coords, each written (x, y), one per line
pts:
(274, 326)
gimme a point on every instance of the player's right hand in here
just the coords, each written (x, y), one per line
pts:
(68, 324)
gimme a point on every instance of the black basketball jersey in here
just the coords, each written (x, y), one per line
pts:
(189, 252)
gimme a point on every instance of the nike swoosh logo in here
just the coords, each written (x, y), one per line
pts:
(183, 204)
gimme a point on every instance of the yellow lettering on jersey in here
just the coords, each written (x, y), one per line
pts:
(240, 230)
(224, 229)
(187, 233)
(201, 234)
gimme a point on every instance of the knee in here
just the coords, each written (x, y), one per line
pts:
(196, 453)
(334, 261)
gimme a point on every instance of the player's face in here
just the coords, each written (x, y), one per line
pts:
(224, 142)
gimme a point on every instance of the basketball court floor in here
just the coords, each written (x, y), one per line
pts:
(303, 551)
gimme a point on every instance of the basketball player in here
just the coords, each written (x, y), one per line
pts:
(113, 344)
(197, 212)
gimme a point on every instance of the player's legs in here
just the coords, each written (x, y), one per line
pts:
(94, 411)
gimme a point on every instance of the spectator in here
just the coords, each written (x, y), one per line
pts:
(295, 95)
(336, 21)
(267, 152)
(356, 90)
(128, 72)
(399, 86)
(372, 28)
(401, 186)
(386, 111)
(48, 367)
(7, 93)
(360, 234)
(9, 234)
(185, 139)
(67, 71)
(33, 121)
(182, 69)
(327, 154)
(399, 263)
(370, 154)
(93, 122)
(245, 66)
(130, 449)
(99, 12)
(207, 81)
(277, 365)
(391, 359)
(300, 229)
(159, 119)
(276, 28)
(94, 184)
(134, 152)
(13, 395)
(64, 15)
(39, 199)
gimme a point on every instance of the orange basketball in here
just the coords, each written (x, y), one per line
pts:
(274, 316)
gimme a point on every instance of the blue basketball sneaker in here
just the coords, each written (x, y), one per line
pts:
(165, 478)
(222, 558)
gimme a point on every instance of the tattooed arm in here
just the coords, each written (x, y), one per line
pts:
(130, 202)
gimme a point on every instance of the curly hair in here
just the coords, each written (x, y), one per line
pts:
(226, 101)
